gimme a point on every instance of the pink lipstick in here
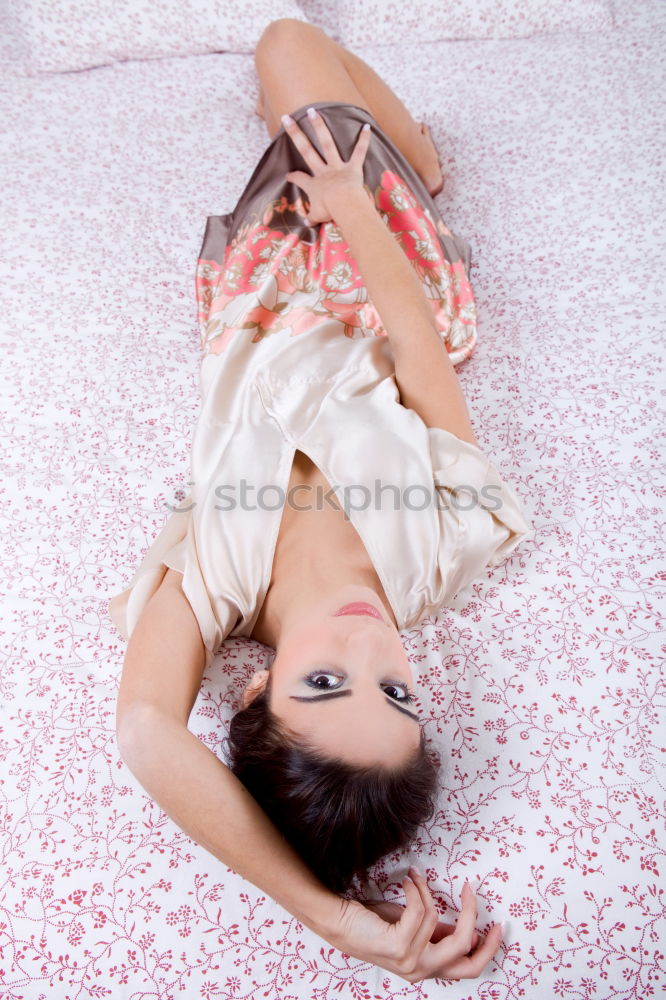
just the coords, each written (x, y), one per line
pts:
(360, 608)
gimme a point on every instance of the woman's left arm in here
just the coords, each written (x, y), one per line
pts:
(213, 807)
(161, 678)
(209, 803)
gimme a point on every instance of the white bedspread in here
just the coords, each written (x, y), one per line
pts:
(540, 684)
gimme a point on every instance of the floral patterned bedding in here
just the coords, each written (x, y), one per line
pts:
(541, 683)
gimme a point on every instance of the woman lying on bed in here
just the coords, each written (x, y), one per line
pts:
(339, 497)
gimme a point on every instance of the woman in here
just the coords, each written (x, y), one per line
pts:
(339, 495)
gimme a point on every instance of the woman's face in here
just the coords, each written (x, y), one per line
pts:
(361, 661)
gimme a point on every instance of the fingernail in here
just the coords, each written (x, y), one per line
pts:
(312, 112)
(473, 886)
(506, 927)
(287, 120)
(417, 871)
(366, 128)
(306, 220)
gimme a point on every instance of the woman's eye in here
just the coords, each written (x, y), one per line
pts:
(327, 682)
(406, 693)
(319, 680)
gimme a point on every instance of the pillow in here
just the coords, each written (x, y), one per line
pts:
(386, 22)
(323, 13)
(56, 36)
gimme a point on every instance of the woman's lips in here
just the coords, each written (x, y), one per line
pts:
(359, 608)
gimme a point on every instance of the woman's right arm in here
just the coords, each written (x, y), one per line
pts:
(426, 378)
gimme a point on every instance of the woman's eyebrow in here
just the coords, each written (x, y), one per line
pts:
(347, 693)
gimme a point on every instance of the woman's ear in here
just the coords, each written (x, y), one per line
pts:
(255, 686)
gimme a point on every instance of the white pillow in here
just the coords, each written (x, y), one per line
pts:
(55, 36)
(387, 22)
(323, 13)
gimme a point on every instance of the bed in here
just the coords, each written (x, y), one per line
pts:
(541, 684)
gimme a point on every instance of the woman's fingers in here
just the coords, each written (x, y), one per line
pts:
(331, 182)
(466, 922)
(471, 966)
(327, 143)
(392, 913)
(302, 144)
(326, 140)
(464, 954)
(432, 931)
(300, 178)
(361, 147)
(413, 914)
(429, 919)
(420, 915)
(445, 930)
(424, 948)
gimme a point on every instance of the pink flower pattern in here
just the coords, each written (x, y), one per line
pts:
(541, 686)
(271, 281)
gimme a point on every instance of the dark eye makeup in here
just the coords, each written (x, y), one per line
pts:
(312, 680)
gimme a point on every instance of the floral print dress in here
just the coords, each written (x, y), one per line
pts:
(295, 357)
(263, 272)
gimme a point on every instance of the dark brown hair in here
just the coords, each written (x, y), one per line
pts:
(339, 817)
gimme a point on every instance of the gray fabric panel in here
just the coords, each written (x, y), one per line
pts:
(268, 183)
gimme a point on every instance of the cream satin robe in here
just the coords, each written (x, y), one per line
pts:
(295, 357)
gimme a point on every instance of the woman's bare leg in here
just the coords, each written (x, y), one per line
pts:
(298, 64)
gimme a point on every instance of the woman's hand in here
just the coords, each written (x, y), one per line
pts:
(410, 941)
(332, 180)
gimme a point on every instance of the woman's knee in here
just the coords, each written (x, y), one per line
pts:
(286, 33)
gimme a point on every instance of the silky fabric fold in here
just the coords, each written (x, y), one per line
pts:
(295, 357)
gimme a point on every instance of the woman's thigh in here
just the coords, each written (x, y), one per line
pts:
(299, 64)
